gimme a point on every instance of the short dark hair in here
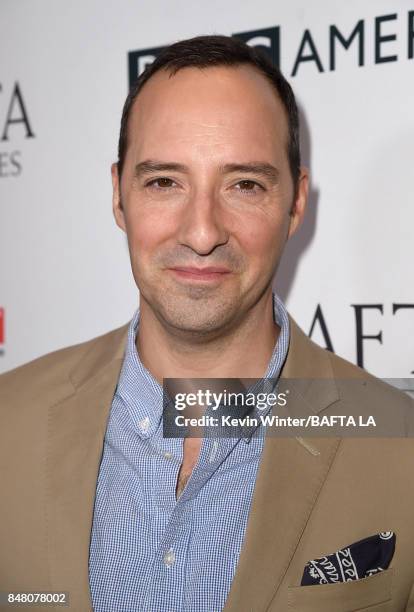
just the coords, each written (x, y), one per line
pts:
(215, 50)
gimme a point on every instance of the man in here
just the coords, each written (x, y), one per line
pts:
(96, 502)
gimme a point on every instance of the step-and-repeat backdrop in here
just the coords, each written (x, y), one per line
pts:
(347, 276)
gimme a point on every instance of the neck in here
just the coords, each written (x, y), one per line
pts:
(240, 352)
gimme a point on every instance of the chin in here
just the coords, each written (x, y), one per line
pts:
(203, 318)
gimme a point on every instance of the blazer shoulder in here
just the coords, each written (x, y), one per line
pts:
(365, 395)
(48, 372)
(354, 384)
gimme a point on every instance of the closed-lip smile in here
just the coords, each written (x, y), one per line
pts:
(200, 274)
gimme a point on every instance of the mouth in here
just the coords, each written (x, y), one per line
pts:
(208, 274)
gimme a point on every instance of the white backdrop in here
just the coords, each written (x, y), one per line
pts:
(65, 272)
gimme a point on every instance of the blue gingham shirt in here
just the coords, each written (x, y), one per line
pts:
(149, 551)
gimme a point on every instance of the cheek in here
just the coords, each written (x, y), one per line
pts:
(262, 239)
(146, 230)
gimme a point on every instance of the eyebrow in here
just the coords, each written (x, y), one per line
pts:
(264, 169)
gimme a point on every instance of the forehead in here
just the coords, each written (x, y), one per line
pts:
(215, 106)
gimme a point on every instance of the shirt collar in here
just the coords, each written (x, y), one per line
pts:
(142, 393)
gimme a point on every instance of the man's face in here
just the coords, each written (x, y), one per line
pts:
(206, 195)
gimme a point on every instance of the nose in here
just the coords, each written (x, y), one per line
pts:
(202, 226)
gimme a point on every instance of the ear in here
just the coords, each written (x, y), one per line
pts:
(297, 212)
(116, 198)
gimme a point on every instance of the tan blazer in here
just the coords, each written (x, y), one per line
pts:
(312, 496)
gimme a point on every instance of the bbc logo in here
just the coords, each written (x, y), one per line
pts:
(267, 40)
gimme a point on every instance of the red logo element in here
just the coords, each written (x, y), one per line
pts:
(1, 325)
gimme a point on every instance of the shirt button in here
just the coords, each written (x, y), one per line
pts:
(167, 455)
(169, 558)
(144, 424)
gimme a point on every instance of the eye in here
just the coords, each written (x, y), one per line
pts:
(248, 186)
(162, 182)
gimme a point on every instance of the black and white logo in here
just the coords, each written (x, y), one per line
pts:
(377, 40)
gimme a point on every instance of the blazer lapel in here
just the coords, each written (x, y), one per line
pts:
(76, 433)
(290, 476)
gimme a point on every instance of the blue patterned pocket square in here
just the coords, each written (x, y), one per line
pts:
(359, 560)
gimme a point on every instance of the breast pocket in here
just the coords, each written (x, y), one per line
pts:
(373, 593)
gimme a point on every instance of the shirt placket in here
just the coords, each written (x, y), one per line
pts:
(168, 571)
